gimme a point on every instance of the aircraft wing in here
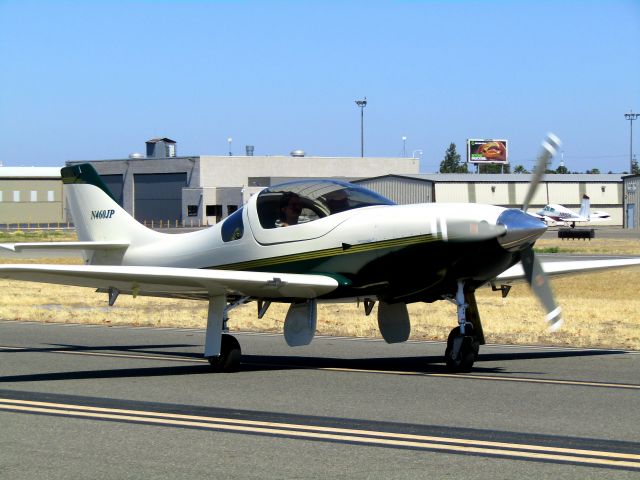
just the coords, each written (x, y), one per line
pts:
(168, 281)
(66, 246)
(568, 267)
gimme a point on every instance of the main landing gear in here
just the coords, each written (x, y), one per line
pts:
(221, 349)
(463, 344)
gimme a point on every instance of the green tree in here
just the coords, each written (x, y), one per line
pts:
(593, 171)
(520, 169)
(494, 168)
(635, 169)
(562, 169)
(451, 162)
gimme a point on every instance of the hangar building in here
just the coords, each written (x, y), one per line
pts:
(631, 205)
(203, 189)
(31, 195)
(508, 190)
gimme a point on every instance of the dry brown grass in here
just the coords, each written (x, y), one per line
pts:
(597, 246)
(600, 310)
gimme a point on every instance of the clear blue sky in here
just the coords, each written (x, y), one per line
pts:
(95, 79)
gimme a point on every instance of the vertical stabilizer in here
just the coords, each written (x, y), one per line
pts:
(96, 214)
(584, 207)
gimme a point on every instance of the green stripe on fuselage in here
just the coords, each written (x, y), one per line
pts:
(267, 263)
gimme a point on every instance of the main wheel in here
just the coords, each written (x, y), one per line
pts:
(229, 358)
(467, 354)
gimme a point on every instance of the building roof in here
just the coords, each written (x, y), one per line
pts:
(507, 177)
(30, 172)
(163, 139)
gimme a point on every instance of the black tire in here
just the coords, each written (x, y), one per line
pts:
(468, 353)
(229, 358)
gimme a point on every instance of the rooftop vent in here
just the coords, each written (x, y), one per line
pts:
(297, 153)
(161, 148)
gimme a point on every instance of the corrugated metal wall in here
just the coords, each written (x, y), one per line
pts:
(632, 202)
(401, 190)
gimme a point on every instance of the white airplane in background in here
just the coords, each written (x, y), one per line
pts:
(559, 214)
(354, 246)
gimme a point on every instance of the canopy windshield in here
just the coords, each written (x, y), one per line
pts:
(312, 199)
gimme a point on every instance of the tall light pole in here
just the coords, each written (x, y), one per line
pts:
(631, 117)
(361, 104)
(229, 140)
(404, 146)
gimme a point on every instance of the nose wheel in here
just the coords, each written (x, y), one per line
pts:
(462, 349)
(463, 344)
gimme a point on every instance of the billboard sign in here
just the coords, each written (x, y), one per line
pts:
(487, 151)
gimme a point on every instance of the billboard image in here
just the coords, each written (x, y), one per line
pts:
(487, 151)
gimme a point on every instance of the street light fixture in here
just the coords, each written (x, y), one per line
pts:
(631, 117)
(361, 104)
(404, 146)
(229, 140)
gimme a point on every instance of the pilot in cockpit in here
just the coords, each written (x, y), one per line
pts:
(290, 209)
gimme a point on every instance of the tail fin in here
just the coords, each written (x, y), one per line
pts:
(96, 214)
(584, 207)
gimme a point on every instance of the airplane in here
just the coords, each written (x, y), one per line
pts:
(559, 214)
(348, 244)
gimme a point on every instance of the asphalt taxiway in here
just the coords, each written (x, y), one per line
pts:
(120, 402)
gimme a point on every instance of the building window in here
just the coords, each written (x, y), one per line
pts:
(192, 210)
(50, 197)
(214, 211)
(231, 209)
(16, 195)
(34, 196)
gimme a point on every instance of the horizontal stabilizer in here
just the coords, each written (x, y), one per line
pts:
(516, 273)
(66, 246)
(167, 281)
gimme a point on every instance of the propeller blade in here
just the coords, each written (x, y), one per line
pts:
(550, 146)
(540, 285)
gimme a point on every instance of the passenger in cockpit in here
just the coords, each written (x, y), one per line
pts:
(337, 201)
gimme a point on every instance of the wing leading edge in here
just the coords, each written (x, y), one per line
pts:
(166, 281)
(63, 246)
(569, 267)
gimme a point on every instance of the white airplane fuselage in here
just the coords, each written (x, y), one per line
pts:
(406, 252)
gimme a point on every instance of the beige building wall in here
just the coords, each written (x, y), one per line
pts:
(32, 200)
(492, 193)
(233, 171)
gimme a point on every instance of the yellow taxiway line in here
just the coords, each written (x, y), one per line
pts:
(318, 432)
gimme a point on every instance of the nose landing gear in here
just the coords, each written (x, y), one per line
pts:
(463, 344)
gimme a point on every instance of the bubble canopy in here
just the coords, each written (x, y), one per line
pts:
(315, 199)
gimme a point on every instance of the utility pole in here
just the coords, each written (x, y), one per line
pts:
(631, 117)
(404, 146)
(361, 104)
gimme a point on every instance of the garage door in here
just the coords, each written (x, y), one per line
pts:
(158, 196)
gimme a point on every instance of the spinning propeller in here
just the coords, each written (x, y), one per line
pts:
(523, 230)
